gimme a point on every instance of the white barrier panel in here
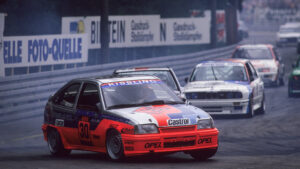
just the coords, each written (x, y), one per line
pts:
(124, 31)
(23, 51)
(141, 30)
(185, 31)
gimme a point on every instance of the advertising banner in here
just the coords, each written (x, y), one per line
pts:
(141, 30)
(24, 51)
(185, 31)
(221, 27)
(124, 31)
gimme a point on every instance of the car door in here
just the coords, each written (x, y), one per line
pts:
(88, 114)
(64, 112)
(256, 83)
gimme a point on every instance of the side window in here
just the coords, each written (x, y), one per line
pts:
(67, 97)
(250, 72)
(88, 97)
(253, 71)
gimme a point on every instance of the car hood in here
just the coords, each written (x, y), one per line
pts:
(296, 71)
(216, 86)
(288, 35)
(160, 114)
(264, 63)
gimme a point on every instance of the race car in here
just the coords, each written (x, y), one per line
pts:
(167, 75)
(294, 80)
(266, 60)
(288, 34)
(126, 116)
(226, 87)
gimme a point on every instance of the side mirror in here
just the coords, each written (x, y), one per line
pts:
(99, 107)
(251, 79)
(186, 79)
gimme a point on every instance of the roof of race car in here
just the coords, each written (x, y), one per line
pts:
(118, 78)
(239, 62)
(141, 69)
(249, 46)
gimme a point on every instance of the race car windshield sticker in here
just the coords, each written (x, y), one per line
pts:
(130, 82)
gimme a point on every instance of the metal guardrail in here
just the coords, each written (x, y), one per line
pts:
(24, 96)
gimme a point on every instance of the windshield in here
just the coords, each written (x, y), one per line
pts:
(220, 72)
(290, 30)
(165, 76)
(255, 53)
(137, 93)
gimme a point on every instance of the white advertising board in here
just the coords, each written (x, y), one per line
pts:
(24, 51)
(141, 30)
(124, 31)
(185, 31)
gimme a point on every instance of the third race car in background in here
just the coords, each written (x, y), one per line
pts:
(226, 87)
(266, 60)
(294, 80)
(288, 34)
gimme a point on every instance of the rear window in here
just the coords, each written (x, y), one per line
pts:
(253, 53)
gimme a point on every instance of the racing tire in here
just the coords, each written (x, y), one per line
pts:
(55, 144)
(290, 92)
(114, 146)
(262, 108)
(250, 113)
(281, 81)
(202, 155)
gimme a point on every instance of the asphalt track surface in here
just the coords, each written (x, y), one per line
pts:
(271, 140)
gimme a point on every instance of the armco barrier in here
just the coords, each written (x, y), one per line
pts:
(24, 96)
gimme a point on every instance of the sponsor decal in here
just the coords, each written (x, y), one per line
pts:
(204, 140)
(59, 123)
(131, 82)
(178, 122)
(153, 145)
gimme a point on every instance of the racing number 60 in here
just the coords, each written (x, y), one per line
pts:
(84, 128)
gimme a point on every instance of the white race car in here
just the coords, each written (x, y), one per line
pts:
(266, 61)
(288, 34)
(226, 87)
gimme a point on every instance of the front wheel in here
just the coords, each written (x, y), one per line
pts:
(202, 155)
(55, 145)
(114, 145)
(250, 112)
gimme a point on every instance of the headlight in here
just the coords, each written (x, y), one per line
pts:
(145, 129)
(205, 124)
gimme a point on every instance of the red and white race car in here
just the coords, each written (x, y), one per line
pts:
(126, 116)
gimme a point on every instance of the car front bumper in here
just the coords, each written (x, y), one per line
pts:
(215, 107)
(170, 142)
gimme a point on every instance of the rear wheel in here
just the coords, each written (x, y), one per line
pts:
(202, 155)
(262, 108)
(291, 94)
(55, 145)
(114, 145)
